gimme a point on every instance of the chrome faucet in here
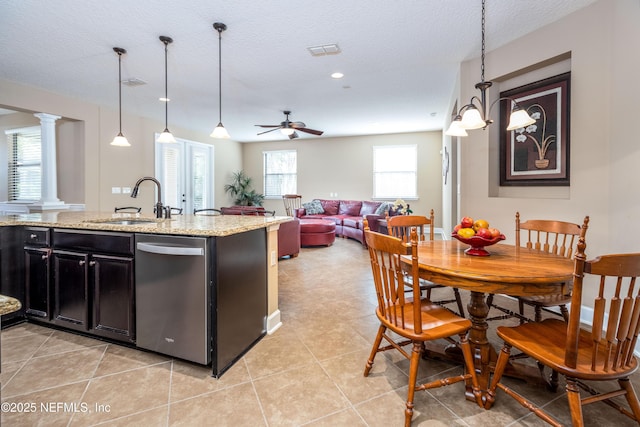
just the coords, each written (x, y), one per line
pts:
(134, 193)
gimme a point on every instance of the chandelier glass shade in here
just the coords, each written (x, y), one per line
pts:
(476, 114)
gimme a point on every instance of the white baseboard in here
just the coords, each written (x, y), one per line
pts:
(273, 322)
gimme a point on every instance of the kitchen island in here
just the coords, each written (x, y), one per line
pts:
(78, 273)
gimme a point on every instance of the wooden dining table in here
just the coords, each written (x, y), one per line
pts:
(507, 270)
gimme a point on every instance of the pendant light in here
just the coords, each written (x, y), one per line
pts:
(472, 116)
(220, 131)
(120, 140)
(166, 136)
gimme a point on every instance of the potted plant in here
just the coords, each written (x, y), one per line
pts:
(242, 193)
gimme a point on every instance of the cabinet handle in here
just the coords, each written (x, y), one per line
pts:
(92, 263)
(45, 256)
(33, 236)
(81, 262)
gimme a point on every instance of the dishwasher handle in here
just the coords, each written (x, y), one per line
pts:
(155, 248)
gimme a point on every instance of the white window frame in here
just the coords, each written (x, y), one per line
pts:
(13, 165)
(292, 188)
(401, 162)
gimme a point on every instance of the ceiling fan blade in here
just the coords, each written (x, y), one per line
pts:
(293, 135)
(312, 131)
(267, 131)
(296, 125)
(268, 126)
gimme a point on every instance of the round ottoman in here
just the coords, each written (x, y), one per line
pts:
(317, 232)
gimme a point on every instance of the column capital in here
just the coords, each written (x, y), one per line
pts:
(47, 117)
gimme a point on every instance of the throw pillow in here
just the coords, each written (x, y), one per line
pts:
(313, 207)
(383, 208)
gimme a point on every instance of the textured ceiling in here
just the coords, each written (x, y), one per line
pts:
(399, 57)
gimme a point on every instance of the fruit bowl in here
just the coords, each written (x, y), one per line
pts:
(477, 244)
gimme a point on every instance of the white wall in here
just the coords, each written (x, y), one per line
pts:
(605, 152)
(88, 166)
(345, 166)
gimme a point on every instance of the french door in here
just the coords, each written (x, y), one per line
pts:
(185, 170)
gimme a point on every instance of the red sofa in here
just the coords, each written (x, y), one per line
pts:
(348, 216)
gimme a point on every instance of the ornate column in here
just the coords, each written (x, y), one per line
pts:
(49, 183)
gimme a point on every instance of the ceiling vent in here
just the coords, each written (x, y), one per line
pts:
(133, 82)
(326, 49)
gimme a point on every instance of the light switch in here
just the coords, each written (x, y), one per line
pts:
(115, 190)
(126, 190)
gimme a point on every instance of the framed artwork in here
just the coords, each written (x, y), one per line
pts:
(538, 154)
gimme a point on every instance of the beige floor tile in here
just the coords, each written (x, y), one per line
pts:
(118, 358)
(298, 396)
(189, 379)
(44, 408)
(236, 406)
(275, 355)
(50, 371)
(17, 347)
(348, 417)
(156, 417)
(338, 340)
(126, 393)
(62, 342)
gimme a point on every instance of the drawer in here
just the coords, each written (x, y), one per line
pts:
(36, 236)
(95, 242)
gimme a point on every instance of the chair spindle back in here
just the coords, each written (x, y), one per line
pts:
(616, 317)
(291, 203)
(555, 237)
(400, 226)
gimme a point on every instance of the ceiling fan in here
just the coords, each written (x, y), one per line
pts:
(289, 128)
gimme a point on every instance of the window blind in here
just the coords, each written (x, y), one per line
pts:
(280, 172)
(395, 171)
(25, 164)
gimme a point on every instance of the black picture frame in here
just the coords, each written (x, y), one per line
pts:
(537, 155)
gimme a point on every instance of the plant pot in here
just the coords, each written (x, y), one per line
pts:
(542, 164)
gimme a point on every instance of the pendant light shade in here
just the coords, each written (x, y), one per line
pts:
(476, 114)
(166, 136)
(120, 140)
(220, 131)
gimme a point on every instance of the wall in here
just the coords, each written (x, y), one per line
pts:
(604, 153)
(345, 166)
(88, 166)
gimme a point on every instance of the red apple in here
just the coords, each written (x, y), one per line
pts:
(494, 232)
(456, 228)
(484, 233)
(466, 222)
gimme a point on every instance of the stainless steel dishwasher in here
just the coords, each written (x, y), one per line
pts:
(172, 296)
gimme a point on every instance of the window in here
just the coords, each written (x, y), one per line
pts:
(25, 163)
(395, 172)
(280, 172)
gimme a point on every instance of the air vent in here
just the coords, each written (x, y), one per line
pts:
(133, 82)
(326, 49)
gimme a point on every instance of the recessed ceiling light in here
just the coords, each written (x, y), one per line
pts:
(337, 75)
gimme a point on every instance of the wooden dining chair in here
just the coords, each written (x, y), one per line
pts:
(555, 237)
(400, 226)
(411, 317)
(291, 203)
(605, 353)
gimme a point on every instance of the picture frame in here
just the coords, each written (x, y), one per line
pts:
(537, 155)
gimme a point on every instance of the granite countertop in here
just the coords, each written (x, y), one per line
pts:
(191, 225)
(8, 305)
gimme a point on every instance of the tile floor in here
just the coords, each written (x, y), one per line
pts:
(308, 373)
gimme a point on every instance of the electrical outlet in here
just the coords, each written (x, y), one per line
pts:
(274, 258)
(115, 190)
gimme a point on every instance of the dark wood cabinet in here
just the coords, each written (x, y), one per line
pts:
(12, 271)
(37, 283)
(93, 289)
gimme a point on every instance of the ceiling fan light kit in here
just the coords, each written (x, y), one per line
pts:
(166, 136)
(472, 116)
(120, 140)
(220, 131)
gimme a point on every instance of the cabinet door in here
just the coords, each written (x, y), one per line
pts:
(113, 295)
(71, 295)
(37, 282)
